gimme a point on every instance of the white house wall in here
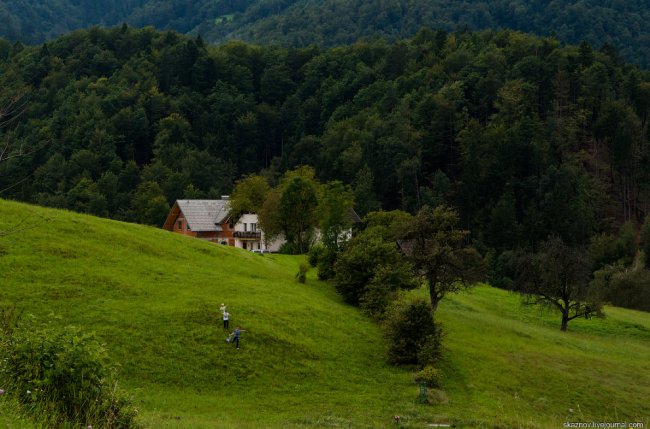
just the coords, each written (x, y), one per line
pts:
(248, 219)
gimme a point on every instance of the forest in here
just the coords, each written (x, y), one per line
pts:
(300, 23)
(525, 137)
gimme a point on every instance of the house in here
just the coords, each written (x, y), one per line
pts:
(210, 220)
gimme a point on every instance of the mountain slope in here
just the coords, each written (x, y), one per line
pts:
(307, 360)
(502, 125)
(335, 22)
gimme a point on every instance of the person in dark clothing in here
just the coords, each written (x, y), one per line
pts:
(236, 335)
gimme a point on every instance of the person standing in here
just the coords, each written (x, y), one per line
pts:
(226, 317)
(222, 308)
(236, 335)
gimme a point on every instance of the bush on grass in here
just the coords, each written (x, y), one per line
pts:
(323, 259)
(430, 375)
(314, 254)
(61, 378)
(413, 337)
(301, 276)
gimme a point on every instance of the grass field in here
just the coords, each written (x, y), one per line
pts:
(307, 359)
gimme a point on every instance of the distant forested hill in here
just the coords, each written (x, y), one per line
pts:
(299, 23)
(35, 21)
(624, 24)
(526, 137)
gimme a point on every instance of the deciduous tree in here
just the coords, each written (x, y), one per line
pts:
(439, 252)
(371, 270)
(334, 210)
(249, 195)
(297, 212)
(558, 276)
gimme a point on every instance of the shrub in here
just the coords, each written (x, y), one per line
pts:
(301, 276)
(630, 289)
(326, 264)
(502, 270)
(62, 377)
(410, 331)
(356, 269)
(431, 349)
(384, 288)
(610, 249)
(288, 249)
(314, 254)
(430, 375)
(324, 259)
(377, 297)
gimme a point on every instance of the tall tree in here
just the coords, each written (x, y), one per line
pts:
(558, 276)
(249, 195)
(269, 217)
(335, 212)
(297, 212)
(438, 250)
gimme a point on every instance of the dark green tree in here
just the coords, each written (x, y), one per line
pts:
(149, 204)
(371, 270)
(249, 195)
(297, 212)
(410, 330)
(269, 216)
(558, 276)
(335, 213)
(439, 252)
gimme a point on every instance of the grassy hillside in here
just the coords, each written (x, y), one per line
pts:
(307, 360)
(153, 297)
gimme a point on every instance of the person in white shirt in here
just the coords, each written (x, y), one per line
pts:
(226, 316)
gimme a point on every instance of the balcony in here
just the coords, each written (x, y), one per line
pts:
(248, 235)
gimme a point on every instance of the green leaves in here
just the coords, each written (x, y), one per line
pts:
(61, 377)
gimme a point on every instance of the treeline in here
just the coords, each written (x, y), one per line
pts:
(337, 22)
(300, 23)
(35, 21)
(525, 137)
(38, 21)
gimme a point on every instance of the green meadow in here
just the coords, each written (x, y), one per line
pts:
(306, 358)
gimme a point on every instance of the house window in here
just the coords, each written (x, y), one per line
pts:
(258, 246)
(253, 227)
(245, 227)
(180, 224)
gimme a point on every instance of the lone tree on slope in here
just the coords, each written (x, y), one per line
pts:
(439, 252)
(558, 276)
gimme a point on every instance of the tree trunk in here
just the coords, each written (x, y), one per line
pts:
(565, 321)
(433, 296)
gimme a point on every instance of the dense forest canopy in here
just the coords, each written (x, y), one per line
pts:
(526, 137)
(299, 23)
